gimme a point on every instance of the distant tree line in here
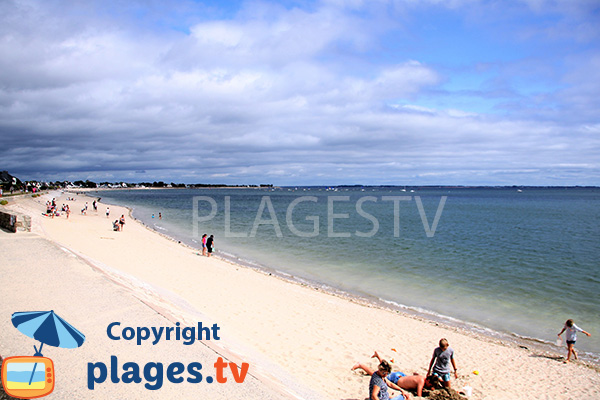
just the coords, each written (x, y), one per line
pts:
(218, 185)
(10, 184)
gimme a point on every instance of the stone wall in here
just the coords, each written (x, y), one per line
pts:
(13, 221)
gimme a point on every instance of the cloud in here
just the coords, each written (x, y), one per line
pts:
(297, 95)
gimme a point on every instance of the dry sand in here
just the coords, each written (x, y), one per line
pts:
(295, 337)
(36, 275)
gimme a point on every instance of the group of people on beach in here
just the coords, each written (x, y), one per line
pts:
(208, 245)
(438, 374)
(119, 224)
(51, 210)
(439, 371)
(66, 209)
(85, 207)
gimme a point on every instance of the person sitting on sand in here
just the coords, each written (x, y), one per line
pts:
(442, 356)
(378, 384)
(572, 330)
(414, 382)
(116, 225)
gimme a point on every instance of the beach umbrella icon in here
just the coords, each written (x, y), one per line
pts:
(48, 328)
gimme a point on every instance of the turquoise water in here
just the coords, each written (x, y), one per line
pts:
(510, 261)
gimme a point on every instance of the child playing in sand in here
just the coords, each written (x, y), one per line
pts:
(443, 356)
(572, 330)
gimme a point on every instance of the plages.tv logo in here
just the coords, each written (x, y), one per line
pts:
(33, 377)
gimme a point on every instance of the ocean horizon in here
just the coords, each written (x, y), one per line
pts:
(512, 261)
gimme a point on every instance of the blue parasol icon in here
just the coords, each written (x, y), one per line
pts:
(48, 328)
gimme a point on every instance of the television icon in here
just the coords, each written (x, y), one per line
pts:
(27, 377)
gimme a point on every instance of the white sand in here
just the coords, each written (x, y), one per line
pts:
(293, 336)
(37, 275)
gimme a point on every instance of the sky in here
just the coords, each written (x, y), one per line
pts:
(295, 92)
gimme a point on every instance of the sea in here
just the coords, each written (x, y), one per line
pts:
(513, 263)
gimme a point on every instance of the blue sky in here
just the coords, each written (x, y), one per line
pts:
(328, 92)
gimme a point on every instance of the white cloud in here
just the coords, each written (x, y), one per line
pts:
(288, 94)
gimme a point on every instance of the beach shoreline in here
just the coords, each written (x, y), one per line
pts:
(449, 322)
(168, 306)
(365, 306)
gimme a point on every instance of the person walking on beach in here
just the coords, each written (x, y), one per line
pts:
(204, 244)
(107, 212)
(571, 330)
(210, 242)
(442, 357)
(122, 222)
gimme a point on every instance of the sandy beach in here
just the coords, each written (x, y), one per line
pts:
(300, 342)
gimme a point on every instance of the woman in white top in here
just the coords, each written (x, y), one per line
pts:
(572, 330)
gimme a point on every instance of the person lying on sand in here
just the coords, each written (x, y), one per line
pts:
(411, 382)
